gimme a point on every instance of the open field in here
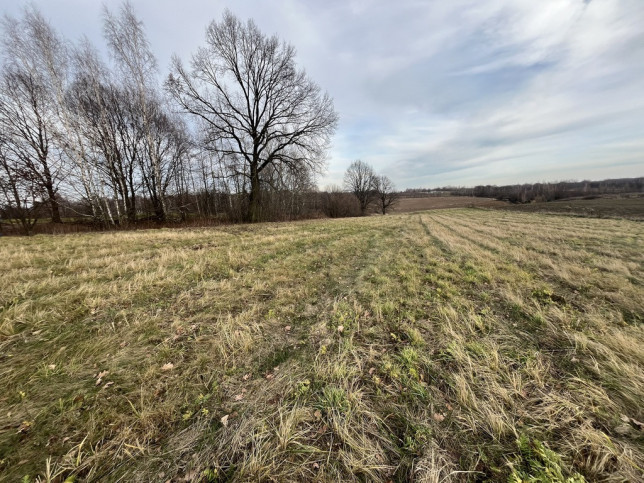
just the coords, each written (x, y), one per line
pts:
(605, 207)
(449, 345)
(406, 205)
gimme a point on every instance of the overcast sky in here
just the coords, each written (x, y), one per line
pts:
(434, 93)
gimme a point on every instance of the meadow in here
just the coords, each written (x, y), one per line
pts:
(630, 207)
(452, 345)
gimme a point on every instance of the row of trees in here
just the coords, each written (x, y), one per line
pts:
(524, 193)
(241, 132)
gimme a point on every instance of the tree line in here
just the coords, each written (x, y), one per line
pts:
(540, 192)
(238, 133)
(525, 193)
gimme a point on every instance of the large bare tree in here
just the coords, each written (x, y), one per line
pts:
(258, 109)
(360, 180)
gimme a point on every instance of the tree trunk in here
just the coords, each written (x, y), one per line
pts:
(53, 205)
(253, 205)
(131, 210)
(51, 192)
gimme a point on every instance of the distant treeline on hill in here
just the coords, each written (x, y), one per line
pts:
(524, 193)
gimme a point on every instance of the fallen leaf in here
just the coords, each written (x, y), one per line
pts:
(287, 328)
(633, 422)
(224, 420)
(167, 367)
(449, 406)
(25, 426)
(269, 376)
(316, 466)
(51, 367)
(340, 328)
(102, 374)
(246, 377)
(98, 381)
(238, 397)
(108, 384)
(439, 417)
(372, 370)
(318, 414)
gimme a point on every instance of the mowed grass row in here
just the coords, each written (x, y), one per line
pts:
(458, 345)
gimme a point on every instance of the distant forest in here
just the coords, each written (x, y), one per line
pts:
(528, 192)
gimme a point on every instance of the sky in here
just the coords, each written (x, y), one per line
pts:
(436, 93)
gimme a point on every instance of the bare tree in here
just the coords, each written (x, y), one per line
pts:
(26, 121)
(108, 121)
(257, 108)
(385, 193)
(360, 180)
(28, 107)
(131, 51)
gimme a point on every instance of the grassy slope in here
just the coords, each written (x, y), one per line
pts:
(407, 346)
(631, 208)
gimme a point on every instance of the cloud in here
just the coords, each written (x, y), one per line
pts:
(521, 92)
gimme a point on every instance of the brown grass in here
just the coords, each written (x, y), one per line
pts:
(451, 345)
(407, 205)
(610, 206)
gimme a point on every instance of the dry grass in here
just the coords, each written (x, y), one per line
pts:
(608, 206)
(452, 345)
(406, 205)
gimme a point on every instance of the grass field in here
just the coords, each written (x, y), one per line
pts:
(450, 345)
(406, 205)
(628, 207)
